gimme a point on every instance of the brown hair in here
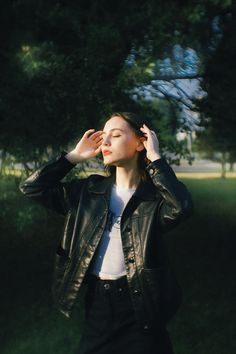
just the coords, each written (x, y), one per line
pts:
(135, 122)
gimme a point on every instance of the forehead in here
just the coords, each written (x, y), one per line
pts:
(116, 123)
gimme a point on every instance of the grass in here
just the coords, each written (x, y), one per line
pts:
(204, 175)
(202, 251)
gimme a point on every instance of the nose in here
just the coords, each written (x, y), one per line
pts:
(106, 141)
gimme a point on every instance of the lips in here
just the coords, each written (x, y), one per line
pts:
(106, 152)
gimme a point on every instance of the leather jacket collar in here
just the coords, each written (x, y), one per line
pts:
(145, 190)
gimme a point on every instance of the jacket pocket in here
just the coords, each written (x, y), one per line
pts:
(164, 294)
(61, 263)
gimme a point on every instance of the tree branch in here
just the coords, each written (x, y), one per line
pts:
(175, 98)
(177, 77)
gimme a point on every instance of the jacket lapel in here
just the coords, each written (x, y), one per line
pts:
(145, 190)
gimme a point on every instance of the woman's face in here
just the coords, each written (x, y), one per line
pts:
(120, 144)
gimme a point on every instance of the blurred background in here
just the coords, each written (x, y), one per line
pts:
(64, 67)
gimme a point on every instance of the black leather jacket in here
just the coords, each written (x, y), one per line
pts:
(157, 205)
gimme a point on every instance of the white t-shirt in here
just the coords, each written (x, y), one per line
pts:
(109, 257)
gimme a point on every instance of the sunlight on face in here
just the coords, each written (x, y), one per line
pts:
(120, 143)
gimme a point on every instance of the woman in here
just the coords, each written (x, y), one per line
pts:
(112, 240)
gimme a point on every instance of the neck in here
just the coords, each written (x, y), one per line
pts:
(127, 177)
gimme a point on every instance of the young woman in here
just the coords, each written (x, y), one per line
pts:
(112, 241)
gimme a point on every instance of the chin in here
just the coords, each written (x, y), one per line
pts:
(108, 162)
(115, 163)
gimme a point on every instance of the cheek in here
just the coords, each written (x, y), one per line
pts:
(124, 145)
(131, 144)
(127, 148)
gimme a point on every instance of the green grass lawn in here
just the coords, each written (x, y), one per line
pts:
(202, 251)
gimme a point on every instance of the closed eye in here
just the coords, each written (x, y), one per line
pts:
(115, 136)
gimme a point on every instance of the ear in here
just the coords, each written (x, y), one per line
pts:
(140, 145)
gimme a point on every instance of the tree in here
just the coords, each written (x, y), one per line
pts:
(218, 112)
(63, 63)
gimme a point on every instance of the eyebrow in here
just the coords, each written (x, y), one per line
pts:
(114, 129)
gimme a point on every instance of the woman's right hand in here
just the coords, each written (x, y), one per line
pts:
(88, 146)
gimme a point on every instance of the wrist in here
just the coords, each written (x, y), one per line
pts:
(73, 157)
(154, 156)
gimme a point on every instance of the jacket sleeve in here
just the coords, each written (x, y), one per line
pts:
(176, 203)
(45, 187)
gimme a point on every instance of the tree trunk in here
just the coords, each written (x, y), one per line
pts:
(3, 162)
(223, 165)
(231, 166)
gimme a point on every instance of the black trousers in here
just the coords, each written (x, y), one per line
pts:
(110, 326)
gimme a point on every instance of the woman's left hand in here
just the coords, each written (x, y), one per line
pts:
(151, 143)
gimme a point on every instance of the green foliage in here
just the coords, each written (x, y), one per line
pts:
(165, 121)
(26, 218)
(64, 63)
(218, 107)
(20, 215)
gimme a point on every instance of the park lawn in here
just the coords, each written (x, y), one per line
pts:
(201, 249)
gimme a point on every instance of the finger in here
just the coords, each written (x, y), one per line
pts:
(88, 132)
(145, 128)
(98, 138)
(144, 132)
(98, 150)
(152, 132)
(145, 135)
(149, 131)
(99, 141)
(96, 134)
